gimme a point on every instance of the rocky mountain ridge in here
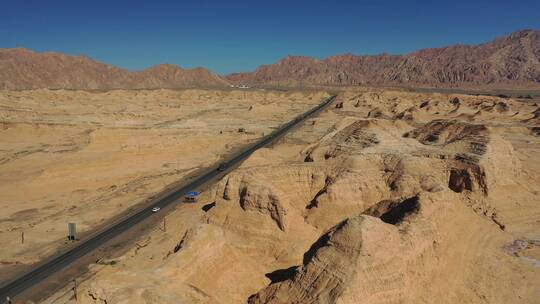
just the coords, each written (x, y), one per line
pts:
(513, 60)
(24, 69)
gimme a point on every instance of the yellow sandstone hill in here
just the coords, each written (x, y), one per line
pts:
(392, 197)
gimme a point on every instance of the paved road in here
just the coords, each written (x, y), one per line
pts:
(63, 260)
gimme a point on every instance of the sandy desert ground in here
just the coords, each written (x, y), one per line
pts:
(84, 157)
(389, 197)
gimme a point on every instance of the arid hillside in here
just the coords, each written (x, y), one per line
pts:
(24, 69)
(387, 197)
(86, 157)
(511, 61)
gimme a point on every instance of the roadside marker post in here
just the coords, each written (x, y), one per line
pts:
(75, 289)
(72, 232)
(165, 224)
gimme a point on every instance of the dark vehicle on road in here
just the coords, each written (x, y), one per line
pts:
(222, 167)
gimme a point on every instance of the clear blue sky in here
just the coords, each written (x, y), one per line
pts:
(229, 36)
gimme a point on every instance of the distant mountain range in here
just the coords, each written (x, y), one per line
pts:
(510, 61)
(25, 69)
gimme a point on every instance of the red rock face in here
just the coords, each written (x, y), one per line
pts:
(513, 60)
(24, 69)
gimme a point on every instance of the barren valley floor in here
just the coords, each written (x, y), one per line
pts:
(389, 197)
(84, 157)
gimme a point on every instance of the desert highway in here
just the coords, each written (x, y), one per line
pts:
(63, 260)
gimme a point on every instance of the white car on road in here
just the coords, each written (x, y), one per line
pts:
(155, 209)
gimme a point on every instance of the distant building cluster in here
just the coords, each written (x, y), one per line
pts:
(240, 86)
